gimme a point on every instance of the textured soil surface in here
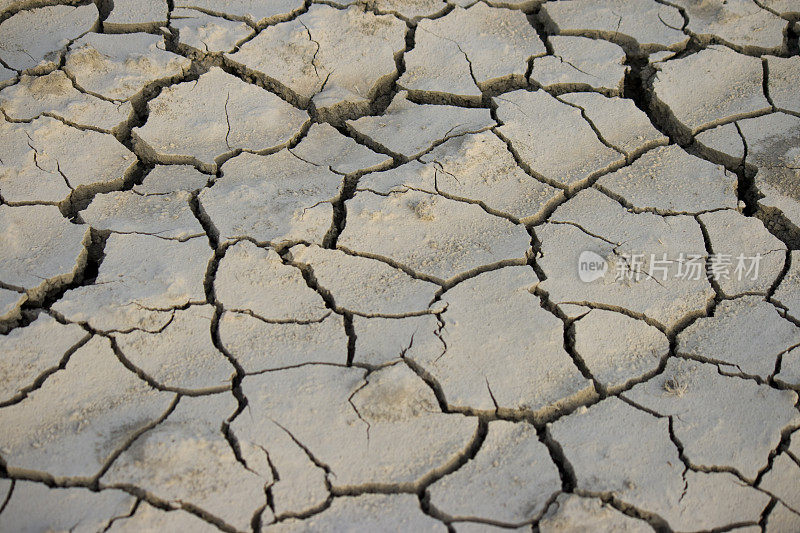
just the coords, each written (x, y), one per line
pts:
(400, 265)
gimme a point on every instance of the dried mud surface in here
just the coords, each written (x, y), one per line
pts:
(314, 265)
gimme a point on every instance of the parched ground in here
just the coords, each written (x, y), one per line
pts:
(400, 265)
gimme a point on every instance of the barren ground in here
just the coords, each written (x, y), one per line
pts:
(400, 265)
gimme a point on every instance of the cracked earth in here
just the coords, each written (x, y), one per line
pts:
(312, 265)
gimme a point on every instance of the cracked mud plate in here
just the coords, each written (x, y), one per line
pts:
(400, 265)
